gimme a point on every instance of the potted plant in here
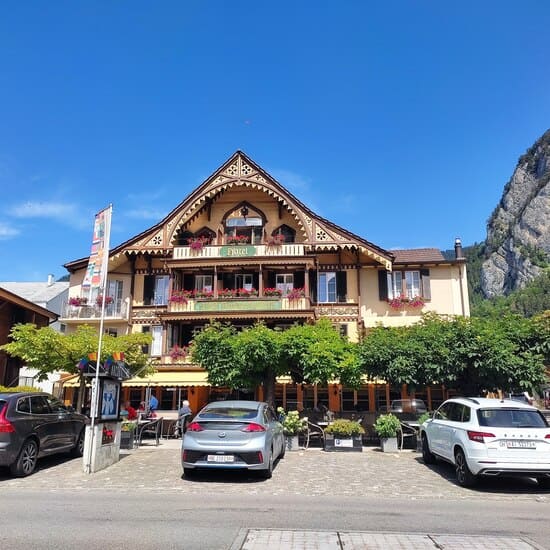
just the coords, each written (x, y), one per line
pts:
(272, 292)
(99, 300)
(296, 294)
(344, 435)
(78, 301)
(276, 240)
(127, 434)
(293, 425)
(387, 427)
(236, 239)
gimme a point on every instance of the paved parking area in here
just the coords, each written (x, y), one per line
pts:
(310, 472)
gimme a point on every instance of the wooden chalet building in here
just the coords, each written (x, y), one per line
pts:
(241, 248)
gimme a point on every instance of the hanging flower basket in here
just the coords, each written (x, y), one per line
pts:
(178, 353)
(108, 300)
(276, 240)
(272, 292)
(296, 294)
(237, 239)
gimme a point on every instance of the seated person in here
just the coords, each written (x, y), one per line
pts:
(184, 414)
(128, 411)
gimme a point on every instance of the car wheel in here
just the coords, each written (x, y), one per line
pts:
(427, 455)
(27, 459)
(266, 474)
(189, 472)
(464, 476)
(544, 482)
(78, 449)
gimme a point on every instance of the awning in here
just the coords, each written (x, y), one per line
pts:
(170, 379)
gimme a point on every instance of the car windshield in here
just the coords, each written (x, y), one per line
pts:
(511, 418)
(228, 413)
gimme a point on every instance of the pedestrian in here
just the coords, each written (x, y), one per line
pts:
(184, 414)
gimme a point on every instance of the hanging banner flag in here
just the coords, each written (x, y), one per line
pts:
(99, 256)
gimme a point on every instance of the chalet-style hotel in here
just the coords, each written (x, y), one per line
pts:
(240, 248)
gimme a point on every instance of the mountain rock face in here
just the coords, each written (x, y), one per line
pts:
(518, 232)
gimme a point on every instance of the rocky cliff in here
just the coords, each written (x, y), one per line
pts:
(518, 232)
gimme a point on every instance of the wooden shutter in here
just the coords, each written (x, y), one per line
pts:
(313, 285)
(299, 279)
(383, 285)
(271, 279)
(148, 289)
(426, 289)
(341, 286)
(188, 281)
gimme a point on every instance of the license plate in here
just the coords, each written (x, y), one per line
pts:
(220, 458)
(521, 444)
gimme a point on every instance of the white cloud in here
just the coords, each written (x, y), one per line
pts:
(7, 232)
(145, 214)
(55, 210)
(67, 213)
(291, 180)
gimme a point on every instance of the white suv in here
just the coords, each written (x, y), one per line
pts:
(488, 437)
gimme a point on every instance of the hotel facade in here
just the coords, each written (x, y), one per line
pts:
(241, 248)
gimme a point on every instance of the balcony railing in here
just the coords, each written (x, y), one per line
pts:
(116, 310)
(238, 251)
(240, 304)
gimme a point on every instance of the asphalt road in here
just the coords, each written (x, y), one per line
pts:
(143, 502)
(98, 520)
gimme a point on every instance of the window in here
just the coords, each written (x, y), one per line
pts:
(327, 287)
(39, 405)
(284, 282)
(111, 332)
(156, 346)
(23, 405)
(412, 281)
(408, 284)
(26, 381)
(155, 290)
(243, 280)
(245, 222)
(114, 290)
(203, 282)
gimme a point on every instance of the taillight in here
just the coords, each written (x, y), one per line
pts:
(253, 427)
(478, 436)
(547, 436)
(6, 427)
(194, 427)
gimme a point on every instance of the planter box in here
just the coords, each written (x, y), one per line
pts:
(389, 444)
(291, 443)
(344, 444)
(127, 440)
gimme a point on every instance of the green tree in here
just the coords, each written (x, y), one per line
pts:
(257, 355)
(48, 351)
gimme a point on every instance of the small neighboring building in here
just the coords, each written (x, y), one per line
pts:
(50, 295)
(14, 310)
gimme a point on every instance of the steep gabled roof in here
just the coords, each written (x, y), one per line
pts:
(418, 256)
(240, 171)
(6, 295)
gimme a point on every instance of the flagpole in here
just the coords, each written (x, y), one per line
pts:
(102, 287)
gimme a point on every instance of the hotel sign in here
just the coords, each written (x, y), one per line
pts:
(237, 251)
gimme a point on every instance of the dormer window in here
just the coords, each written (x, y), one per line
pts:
(245, 222)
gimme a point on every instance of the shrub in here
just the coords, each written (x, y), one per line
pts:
(387, 425)
(292, 423)
(344, 428)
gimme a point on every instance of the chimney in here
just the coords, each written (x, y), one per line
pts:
(50, 279)
(459, 255)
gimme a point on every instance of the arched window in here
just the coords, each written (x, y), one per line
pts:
(183, 237)
(287, 232)
(245, 224)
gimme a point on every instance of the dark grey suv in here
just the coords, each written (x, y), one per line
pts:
(33, 425)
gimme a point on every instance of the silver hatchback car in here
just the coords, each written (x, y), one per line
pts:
(237, 435)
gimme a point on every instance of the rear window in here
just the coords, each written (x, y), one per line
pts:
(228, 413)
(2, 405)
(511, 418)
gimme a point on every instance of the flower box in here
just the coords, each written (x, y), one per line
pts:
(274, 292)
(335, 443)
(237, 239)
(77, 301)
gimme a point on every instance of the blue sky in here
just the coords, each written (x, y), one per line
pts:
(401, 121)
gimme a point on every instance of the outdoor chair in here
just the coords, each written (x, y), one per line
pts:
(169, 428)
(314, 433)
(407, 432)
(151, 428)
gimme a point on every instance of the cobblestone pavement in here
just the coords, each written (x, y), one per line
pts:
(312, 472)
